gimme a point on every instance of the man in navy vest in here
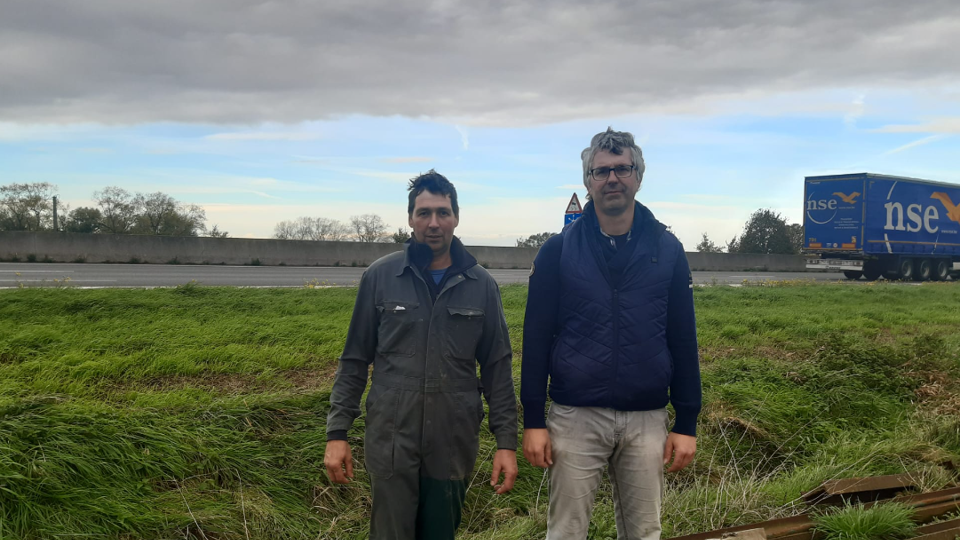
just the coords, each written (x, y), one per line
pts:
(610, 321)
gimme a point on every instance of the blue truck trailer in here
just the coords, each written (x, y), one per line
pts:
(874, 225)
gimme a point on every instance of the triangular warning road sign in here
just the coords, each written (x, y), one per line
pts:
(574, 206)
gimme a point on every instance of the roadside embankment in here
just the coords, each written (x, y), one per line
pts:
(197, 412)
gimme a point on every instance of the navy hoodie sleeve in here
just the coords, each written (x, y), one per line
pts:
(539, 331)
(685, 391)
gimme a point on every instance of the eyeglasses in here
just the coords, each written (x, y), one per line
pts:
(601, 174)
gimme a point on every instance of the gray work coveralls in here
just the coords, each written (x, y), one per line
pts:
(424, 409)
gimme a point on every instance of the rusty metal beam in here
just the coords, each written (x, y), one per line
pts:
(927, 505)
(775, 527)
(871, 488)
(940, 526)
(925, 499)
(926, 513)
(949, 534)
(810, 534)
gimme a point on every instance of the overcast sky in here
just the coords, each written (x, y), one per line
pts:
(262, 111)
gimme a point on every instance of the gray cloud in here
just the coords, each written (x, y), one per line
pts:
(500, 62)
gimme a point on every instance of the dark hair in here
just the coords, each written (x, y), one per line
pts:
(435, 183)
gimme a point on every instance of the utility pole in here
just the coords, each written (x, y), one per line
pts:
(56, 223)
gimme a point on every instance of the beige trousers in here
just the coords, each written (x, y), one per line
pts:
(585, 440)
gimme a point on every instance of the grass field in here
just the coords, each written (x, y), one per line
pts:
(199, 412)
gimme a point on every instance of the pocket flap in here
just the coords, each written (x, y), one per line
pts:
(465, 312)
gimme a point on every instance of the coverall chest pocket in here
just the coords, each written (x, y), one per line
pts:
(396, 334)
(464, 328)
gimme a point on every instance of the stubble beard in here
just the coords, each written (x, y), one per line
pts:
(617, 210)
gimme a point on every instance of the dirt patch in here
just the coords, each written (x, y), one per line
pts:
(939, 393)
(712, 354)
(312, 379)
(885, 336)
(298, 380)
(721, 416)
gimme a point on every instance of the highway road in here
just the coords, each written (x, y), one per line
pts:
(14, 275)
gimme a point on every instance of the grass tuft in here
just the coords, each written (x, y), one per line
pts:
(889, 521)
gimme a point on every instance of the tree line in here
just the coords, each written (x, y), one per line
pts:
(37, 207)
(31, 207)
(363, 228)
(765, 232)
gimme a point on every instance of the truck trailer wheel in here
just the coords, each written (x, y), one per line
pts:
(942, 270)
(871, 272)
(852, 274)
(925, 271)
(906, 269)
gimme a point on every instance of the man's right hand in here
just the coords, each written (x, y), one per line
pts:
(338, 461)
(536, 447)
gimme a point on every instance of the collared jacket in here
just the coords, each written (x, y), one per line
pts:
(424, 343)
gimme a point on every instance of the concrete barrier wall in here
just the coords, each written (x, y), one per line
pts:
(120, 248)
(99, 248)
(733, 262)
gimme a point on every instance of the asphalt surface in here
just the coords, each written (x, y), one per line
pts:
(14, 275)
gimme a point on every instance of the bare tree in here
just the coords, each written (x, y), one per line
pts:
(117, 208)
(303, 228)
(329, 229)
(284, 230)
(161, 214)
(27, 207)
(306, 228)
(369, 228)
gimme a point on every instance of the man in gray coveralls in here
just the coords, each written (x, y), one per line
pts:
(424, 317)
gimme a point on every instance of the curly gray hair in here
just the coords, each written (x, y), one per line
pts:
(614, 142)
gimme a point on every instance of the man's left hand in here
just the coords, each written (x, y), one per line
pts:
(681, 448)
(505, 462)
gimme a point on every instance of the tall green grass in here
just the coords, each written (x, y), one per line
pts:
(199, 412)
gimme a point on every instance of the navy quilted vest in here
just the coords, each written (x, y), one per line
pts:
(612, 348)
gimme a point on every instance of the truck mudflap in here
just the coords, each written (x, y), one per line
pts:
(835, 264)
